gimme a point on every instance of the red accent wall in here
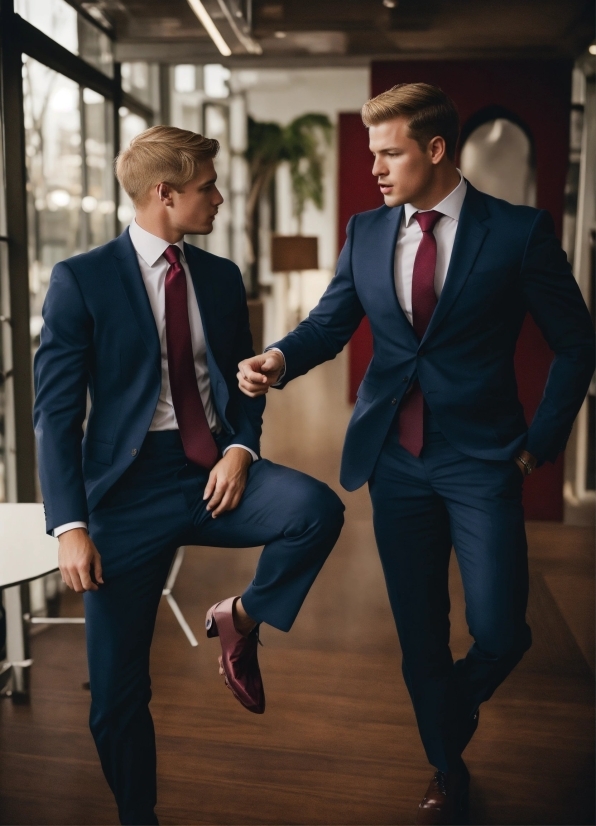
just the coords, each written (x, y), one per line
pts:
(535, 91)
(358, 192)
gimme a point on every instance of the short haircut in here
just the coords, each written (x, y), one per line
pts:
(429, 111)
(162, 154)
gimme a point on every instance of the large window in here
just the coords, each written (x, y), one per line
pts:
(70, 184)
(60, 21)
(131, 125)
(203, 100)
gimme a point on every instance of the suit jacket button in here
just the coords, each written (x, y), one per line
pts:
(134, 451)
(393, 401)
(406, 379)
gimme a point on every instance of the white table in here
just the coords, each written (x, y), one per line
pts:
(26, 553)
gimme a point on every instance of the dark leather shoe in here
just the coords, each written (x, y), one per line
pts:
(446, 800)
(238, 656)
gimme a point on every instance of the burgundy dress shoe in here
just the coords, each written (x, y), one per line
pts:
(446, 800)
(238, 656)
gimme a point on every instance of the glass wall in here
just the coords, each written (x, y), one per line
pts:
(141, 80)
(60, 21)
(203, 100)
(70, 183)
(131, 125)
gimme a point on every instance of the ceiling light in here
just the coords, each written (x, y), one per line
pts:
(280, 35)
(390, 4)
(592, 48)
(212, 30)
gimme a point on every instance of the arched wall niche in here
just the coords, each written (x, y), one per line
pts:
(498, 156)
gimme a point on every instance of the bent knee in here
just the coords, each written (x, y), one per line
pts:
(502, 644)
(326, 506)
(315, 504)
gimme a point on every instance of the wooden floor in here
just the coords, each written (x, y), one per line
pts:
(338, 743)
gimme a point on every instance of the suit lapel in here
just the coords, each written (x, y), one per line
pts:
(469, 238)
(386, 244)
(203, 290)
(206, 300)
(127, 267)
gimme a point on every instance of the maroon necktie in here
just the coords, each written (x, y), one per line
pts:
(424, 301)
(199, 444)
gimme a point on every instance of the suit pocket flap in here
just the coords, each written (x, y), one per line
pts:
(101, 452)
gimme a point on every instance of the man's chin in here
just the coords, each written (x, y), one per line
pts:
(203, 229)
(393, 200)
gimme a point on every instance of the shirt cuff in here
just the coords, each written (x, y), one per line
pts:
(68, 527)
(255, 458)
(283, 372)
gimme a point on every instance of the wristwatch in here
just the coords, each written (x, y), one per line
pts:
(528, 466)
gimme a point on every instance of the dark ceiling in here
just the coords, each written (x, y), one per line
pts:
(345, 31)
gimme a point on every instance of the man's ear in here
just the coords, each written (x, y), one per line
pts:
(164, 193)
(437, 149)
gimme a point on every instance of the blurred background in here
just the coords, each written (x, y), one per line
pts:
(280, 84)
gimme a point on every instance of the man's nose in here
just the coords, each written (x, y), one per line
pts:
(218, 200)
(379, 167)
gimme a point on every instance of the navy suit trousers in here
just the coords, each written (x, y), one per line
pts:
(154, 508)
(422, 507)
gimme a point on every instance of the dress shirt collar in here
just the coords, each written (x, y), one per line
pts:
(150, 247)
(450, 205)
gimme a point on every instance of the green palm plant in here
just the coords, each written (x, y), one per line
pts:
(302, 143)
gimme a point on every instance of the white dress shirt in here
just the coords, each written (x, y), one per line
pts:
(410, 235)
(154, 267)
(150, 249)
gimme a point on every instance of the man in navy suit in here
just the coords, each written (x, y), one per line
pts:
(153, 329)
(445, 275)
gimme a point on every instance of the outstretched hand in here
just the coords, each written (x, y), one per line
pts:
(257, 374)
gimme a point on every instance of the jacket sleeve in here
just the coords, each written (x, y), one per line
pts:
(330, 325)
(249, 412)
(61, 378)
(555, 302)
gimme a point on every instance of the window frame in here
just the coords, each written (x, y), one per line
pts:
(18, 37)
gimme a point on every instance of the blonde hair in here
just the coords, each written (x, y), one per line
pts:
(430, 113)
(162, 154)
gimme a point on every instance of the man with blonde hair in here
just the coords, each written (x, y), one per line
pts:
(445, 275)
(154, 329)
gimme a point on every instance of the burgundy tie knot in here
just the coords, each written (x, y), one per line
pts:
(172, 254)
(428, 220)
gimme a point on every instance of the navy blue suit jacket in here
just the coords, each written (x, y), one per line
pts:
(99, 335)
(506, 261)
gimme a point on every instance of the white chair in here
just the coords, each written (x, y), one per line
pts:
(26, 553)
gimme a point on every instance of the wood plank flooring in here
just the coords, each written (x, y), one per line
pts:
(338, 743)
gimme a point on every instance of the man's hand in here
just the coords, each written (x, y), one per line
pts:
(257, 374)
(227, 481)
(79, 561)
